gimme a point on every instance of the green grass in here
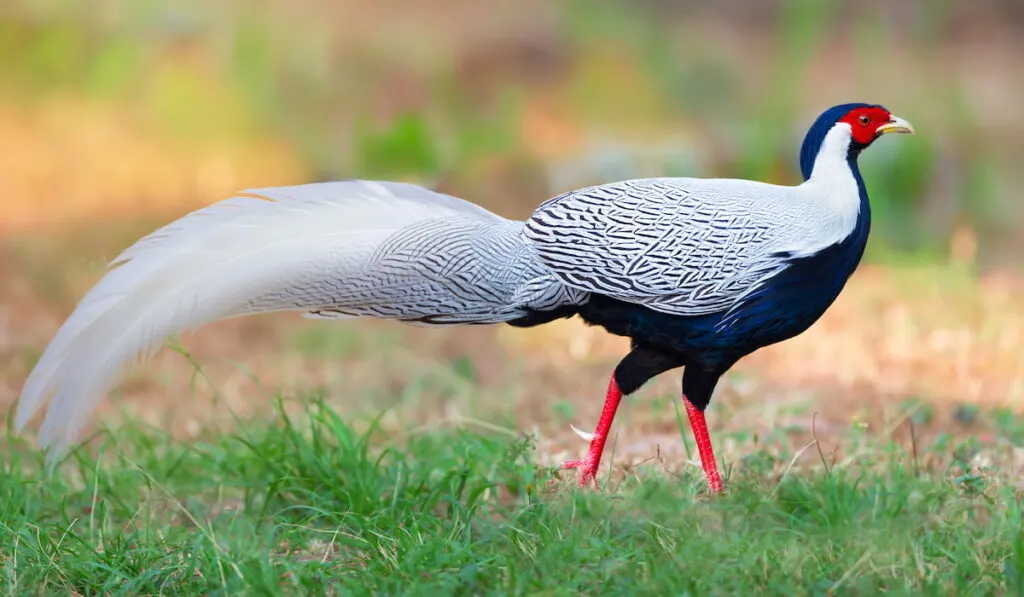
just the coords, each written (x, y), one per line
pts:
(309, 506)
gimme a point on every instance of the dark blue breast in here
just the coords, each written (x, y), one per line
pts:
(785, 306)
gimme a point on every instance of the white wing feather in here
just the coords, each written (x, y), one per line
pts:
(255, 252)
(682, 246)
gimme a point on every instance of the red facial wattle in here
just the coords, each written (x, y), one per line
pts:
(864, 123)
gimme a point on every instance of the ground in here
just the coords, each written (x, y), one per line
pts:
(881, 450)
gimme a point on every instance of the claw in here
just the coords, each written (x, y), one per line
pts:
(587, 471)
(586, 436)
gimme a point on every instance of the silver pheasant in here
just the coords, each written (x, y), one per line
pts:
(700, 254)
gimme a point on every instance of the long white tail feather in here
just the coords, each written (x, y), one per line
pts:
(331, 248)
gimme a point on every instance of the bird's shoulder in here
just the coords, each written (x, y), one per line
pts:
(681, 207)
(687, 246)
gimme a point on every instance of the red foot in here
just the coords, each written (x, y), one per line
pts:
(587, 471)
(588, 465)
(707, 453)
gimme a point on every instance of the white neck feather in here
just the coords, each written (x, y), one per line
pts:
(832, 181)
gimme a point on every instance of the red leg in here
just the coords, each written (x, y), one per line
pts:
(707, 454)
(589, 464)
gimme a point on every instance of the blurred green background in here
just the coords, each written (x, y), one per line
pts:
(117, 116)
(114, 108)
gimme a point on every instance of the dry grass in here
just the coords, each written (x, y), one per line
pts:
(930, 333)
(864, 455)
(923, 333)
(67, 160)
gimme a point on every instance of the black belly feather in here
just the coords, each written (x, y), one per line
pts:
(708, 345)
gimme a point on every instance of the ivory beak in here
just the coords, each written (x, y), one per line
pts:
(896, 125)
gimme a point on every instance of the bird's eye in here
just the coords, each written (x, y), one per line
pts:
(864, 119)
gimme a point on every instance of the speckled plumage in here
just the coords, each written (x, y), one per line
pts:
(439, 271)
(678, 246)
(698, 272)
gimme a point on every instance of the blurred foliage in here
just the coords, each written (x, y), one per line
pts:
(581, 92)
(407, 147)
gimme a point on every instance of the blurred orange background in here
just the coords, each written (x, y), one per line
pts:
(117, 116)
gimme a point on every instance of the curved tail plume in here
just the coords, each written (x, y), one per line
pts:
(341, 249)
